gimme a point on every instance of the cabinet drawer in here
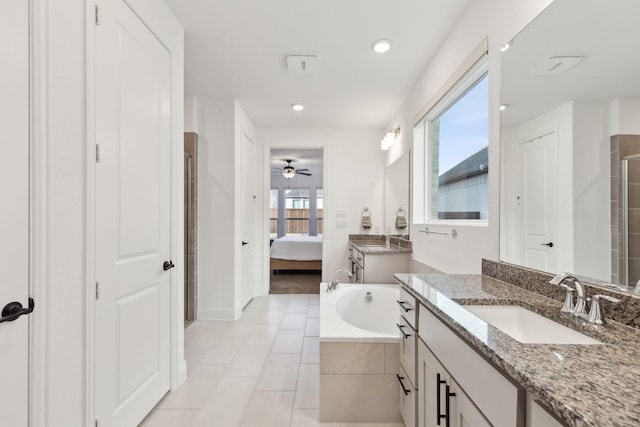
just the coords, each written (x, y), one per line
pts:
(407, 305)
(407, 395)
(504, 405)
(408, 349)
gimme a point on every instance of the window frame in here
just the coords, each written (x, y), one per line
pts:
(465, 79)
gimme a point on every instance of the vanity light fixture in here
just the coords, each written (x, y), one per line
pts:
(389, 139)
(297, 107)
(381, 46)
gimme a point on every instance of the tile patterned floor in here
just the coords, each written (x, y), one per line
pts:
(261, 370)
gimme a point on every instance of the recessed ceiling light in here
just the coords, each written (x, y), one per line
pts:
(381, 46)
(297, 107)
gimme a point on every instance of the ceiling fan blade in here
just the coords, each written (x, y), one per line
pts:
(303, 173)
(302, 170)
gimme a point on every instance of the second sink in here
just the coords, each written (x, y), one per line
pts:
(528, 327)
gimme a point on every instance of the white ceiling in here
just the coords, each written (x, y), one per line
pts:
(236, 49)
(603, 32)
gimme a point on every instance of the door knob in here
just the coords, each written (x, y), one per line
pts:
(168, 265)
(13, 310)
(550, 244)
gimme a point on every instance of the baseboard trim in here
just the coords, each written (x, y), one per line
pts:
(216, 314)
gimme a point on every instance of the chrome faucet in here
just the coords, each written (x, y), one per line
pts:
(334, 283)
(579, 309)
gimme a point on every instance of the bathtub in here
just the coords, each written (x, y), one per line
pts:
(359, 354)
(359, 313)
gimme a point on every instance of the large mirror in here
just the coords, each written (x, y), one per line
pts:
(570, 131)
(396, 196)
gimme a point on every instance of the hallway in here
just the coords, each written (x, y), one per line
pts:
(262, 370)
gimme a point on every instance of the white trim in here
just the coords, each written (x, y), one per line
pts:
(463, 81)
(163, 24)
(218, 314)
(38, 245)
(477, 54)
(266, 210)
(90, 301)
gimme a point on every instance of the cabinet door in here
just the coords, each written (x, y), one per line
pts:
(408, 349)
(432, 380)
(463, 412)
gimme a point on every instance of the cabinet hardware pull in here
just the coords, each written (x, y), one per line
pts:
(406, 391)
(402, 330)
(448, 405)
(439, 382)
(402, 304)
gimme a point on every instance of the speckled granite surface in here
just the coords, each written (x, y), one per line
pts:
(376, 244)
(584, 385)
(627, 311)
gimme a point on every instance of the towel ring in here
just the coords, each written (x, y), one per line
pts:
(366, 212)
(400, 211)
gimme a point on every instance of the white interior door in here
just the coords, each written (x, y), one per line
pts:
(538, 202)
(248, 200)
(132, 314)
(14, 211)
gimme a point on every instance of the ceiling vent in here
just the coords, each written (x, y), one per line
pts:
(303, 64)
(556, 65)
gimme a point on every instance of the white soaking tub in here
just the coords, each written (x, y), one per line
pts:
(359, 354)
(359, 313)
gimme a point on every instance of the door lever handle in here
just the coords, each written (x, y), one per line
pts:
(244, 243)
(168, 265)
(550, 244)
(14, 309)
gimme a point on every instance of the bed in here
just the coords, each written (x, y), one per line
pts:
(296, 253)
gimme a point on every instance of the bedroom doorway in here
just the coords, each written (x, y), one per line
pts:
(296, 206)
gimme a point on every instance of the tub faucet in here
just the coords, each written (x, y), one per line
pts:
(334, 283)
(579, 309)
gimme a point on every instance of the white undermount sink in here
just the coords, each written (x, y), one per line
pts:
(528, 327)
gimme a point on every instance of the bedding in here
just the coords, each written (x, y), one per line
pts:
(297, 248)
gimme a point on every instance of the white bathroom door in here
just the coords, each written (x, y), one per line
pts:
(538, 202)
(14, 211)
(248, 200)
(132, 191)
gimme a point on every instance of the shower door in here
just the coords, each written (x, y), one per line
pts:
(630, 220)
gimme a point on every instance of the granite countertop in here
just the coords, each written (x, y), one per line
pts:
(379, 248)
(584, 385)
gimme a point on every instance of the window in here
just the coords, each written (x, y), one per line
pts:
(297, 211)
(273, 209)
(455, 134)
(319, 208)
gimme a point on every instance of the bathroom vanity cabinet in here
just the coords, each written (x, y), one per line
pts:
(449, 369)
(377, 265)
(444, 382)
(407, 384)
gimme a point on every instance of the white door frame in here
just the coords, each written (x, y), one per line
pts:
(163, 24)
(38, 212)
(326, 234)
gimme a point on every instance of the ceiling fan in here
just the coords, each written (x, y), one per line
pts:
(289, 171)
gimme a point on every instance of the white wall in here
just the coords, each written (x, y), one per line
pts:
(500, 21)
(591, 191)
(353, 178)
(216, 207)
(219, 124)
(624, 116)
